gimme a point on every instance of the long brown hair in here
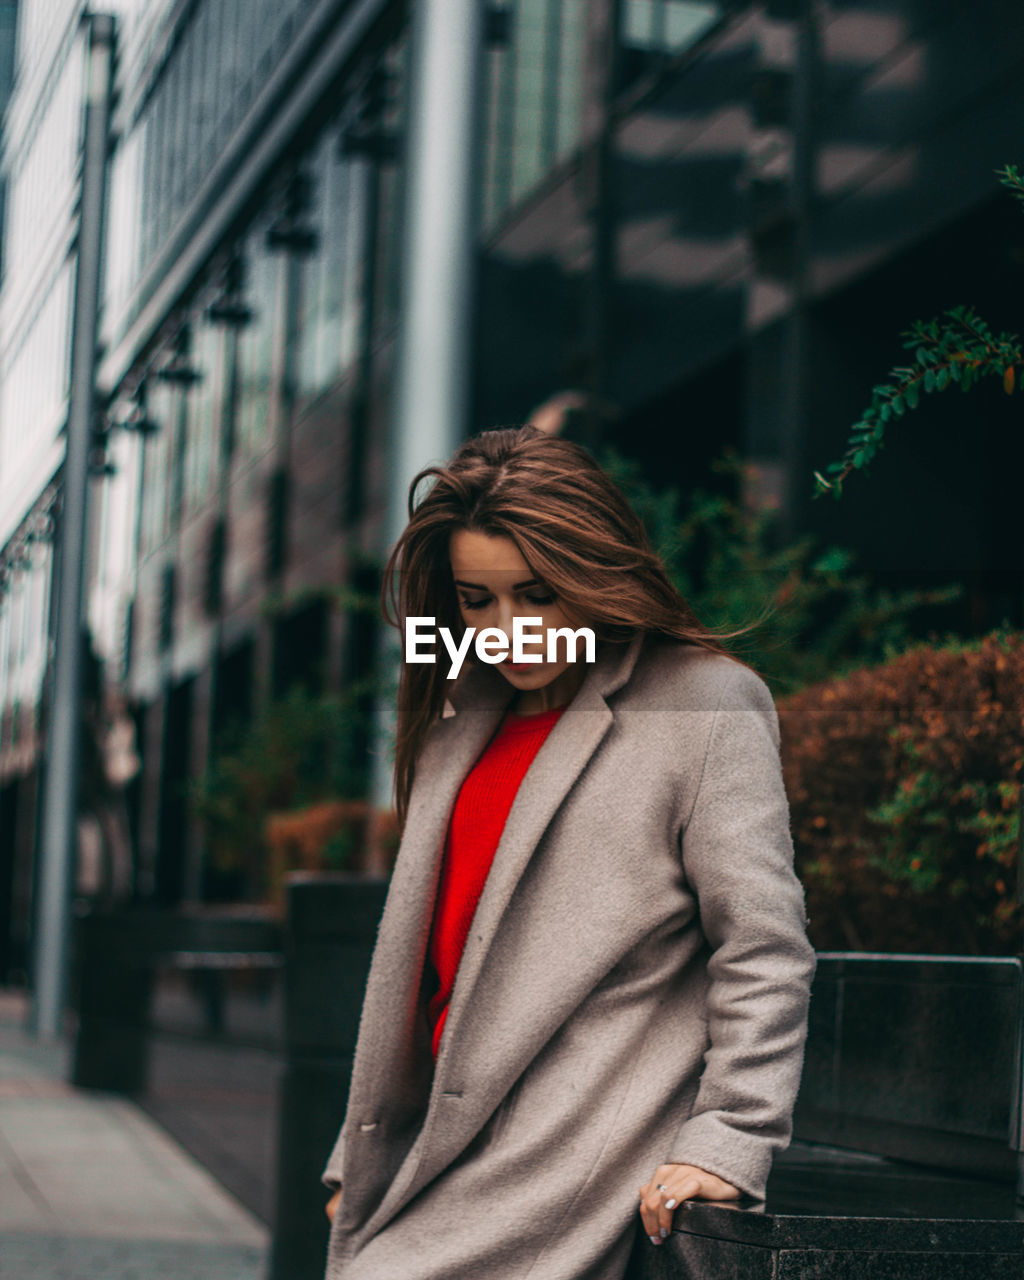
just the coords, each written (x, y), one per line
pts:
(574, 528)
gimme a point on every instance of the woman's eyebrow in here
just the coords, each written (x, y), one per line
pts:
(475, 586)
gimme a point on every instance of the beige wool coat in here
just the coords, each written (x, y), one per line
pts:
(633, 992)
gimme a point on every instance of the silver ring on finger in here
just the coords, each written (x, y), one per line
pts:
(661, 1187)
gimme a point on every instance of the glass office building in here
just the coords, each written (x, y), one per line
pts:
(708, 221)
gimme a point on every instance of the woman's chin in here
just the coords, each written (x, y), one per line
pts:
(527, 676)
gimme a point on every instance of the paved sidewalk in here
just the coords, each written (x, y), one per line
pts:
(92, 1189)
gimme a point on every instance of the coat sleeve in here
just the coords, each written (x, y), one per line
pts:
(738, 858)
(331, 1176)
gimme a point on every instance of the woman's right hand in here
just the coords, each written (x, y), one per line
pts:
(331, 1208)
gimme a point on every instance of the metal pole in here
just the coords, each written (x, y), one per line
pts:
(431, 398)
(59, 809)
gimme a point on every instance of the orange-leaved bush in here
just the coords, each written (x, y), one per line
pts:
(904, 786)
(331, 835)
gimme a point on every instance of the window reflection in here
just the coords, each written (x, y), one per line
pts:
(256, 343)
(652, 30)
(157, 466)
(533, 99)
(203, 400)
(667, 26)
(33, 390)
(394, 65)
(330, 278)
(223, 50)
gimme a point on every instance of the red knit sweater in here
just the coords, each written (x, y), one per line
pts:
(477, 821)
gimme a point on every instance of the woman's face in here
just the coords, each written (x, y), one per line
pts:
(495, 585)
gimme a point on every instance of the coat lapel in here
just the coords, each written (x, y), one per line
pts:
(390, 1005)
(555, 769)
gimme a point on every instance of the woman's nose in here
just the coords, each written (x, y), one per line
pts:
(531, 631)
(505, 617)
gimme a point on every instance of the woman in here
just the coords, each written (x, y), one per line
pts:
(588, 996)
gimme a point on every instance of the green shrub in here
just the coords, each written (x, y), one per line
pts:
(301, 749)
(818, 618)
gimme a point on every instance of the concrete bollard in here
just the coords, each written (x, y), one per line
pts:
(111, 989)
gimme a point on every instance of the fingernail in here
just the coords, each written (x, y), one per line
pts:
(664, 1232)
(654, 1240)
(670, 1204)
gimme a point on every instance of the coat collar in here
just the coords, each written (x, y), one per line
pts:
(476, 706)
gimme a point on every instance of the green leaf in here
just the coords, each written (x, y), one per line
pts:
(912, 395)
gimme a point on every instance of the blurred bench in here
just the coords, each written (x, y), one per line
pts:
(116, 960)
(906, 1160)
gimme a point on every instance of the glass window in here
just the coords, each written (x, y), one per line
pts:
(220, 55)
(232, 62)
(666, 26)
(572, 43)
(196, 79)
(155, 194)
(652, 31)
(684, 24)
(258, 341)
(533, 100)
(213, 86)
(33, 389)
(157, 464)
(330, 284)
(202, 418)
(391, 189)
(497, 157)
(5, 651)
(42, 167)
(180, 90)
(17, 607)
(38, 622)
(532, 35)
(313, 281)
(355, 195)
(122, 245)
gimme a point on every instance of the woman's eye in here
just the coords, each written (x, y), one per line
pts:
(475, 604)
(541, 599)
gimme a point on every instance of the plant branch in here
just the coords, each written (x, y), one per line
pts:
(958, 347)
